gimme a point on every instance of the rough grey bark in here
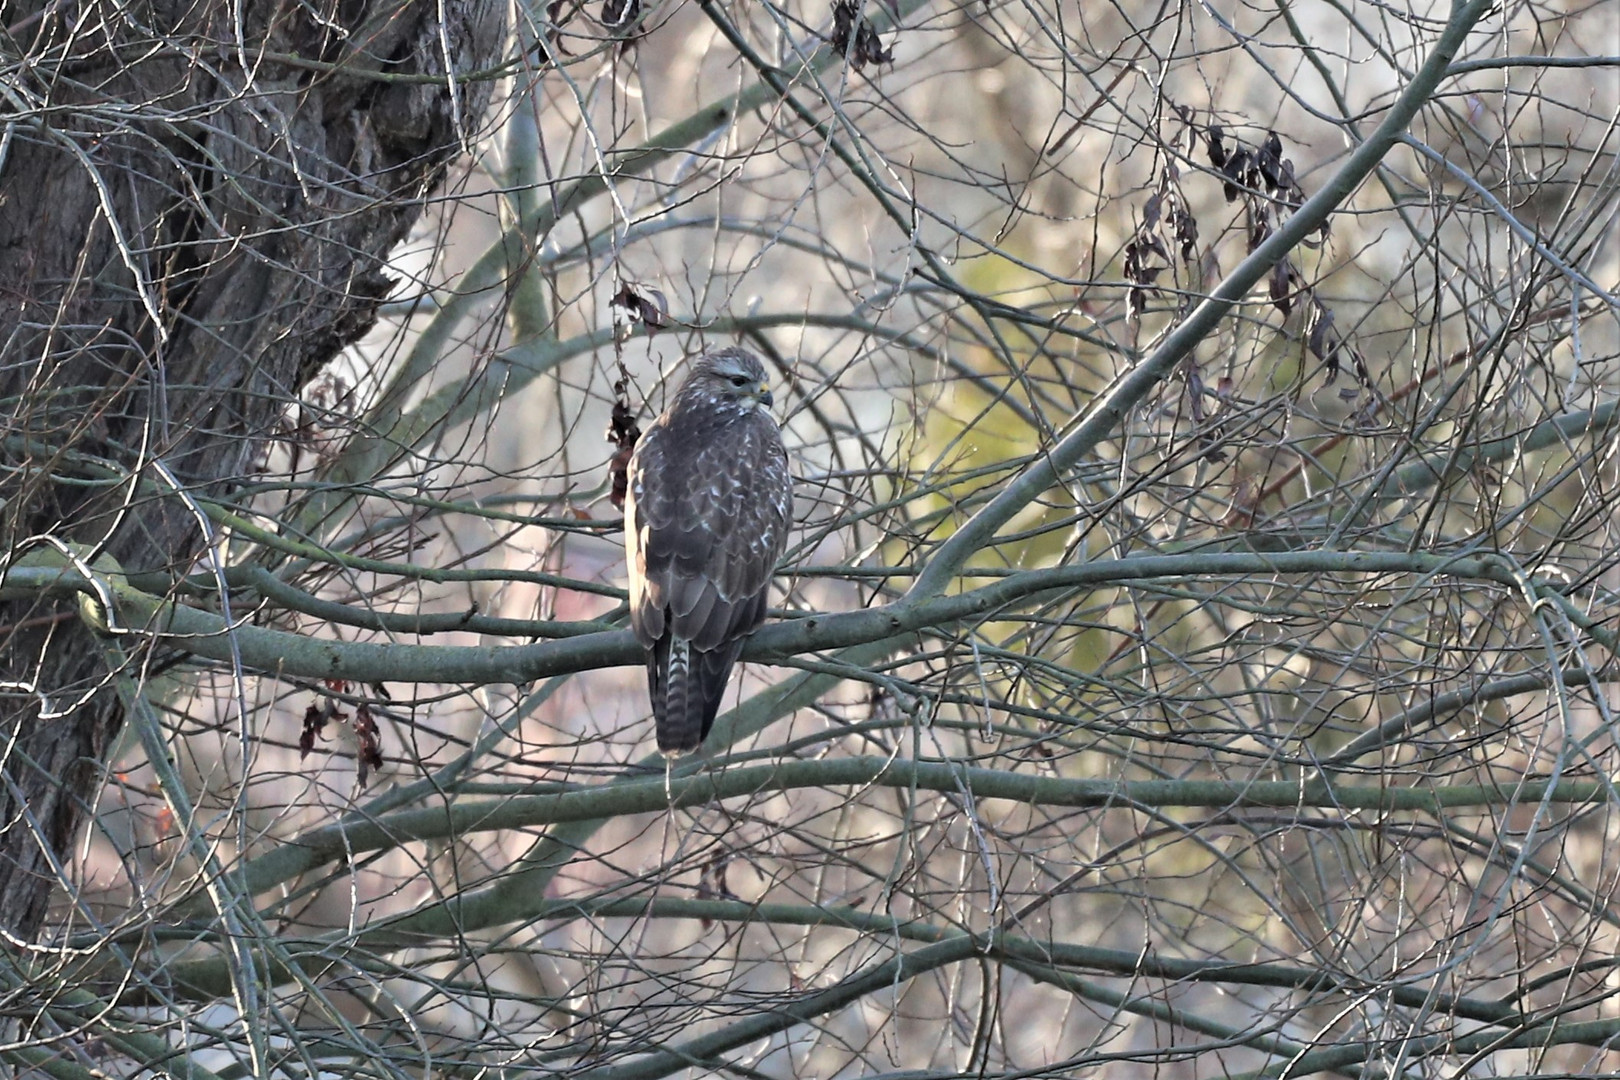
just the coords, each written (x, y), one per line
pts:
(195, 204)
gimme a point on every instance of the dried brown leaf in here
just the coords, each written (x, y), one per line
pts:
(868, 47)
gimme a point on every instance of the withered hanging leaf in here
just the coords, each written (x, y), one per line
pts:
(1216, 147)
(623, 19)
(314, 724)
(1359, 362)
(1326, 344)
(1268, 160)
(1138, 269)
(368, 741)
(1146, 258)
(622, 433)
(1133, 259)
(1287, 188)
(1185, 228)
(316, 718)
(619, 471)
(1235, 169)
(1318, 339)
(1259, 230)
(618, 14)
(1282, 286)
(641, 305)
(1150, 212)
(868, 47)
(549, 46)
(1195, 394)
(1189, 125)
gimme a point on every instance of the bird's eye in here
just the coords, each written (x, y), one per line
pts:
(739, 381)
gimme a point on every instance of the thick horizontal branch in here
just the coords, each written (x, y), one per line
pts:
(948, 945)
(658, 794)
(277, 651)
(1447, 1045)
(1129, 963)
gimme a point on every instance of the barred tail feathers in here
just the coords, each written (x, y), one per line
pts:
(687, 686)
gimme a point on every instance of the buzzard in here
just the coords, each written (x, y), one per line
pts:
(705, 520)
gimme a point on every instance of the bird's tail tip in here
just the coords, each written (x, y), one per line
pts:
(678, 699)
(679, 734)
(676, 750)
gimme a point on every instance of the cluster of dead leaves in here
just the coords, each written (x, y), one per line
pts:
(621, 18)
(1261, 178)
(368, 740)
(623, 431)
(856, 37)
(1164, 216)
(852, 35)
(632, 305)
(638, 305)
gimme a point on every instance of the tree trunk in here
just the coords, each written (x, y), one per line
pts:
(196, 202)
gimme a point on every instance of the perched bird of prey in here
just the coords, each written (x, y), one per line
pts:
(705, 519)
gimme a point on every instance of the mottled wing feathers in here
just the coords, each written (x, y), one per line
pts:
(706, 519)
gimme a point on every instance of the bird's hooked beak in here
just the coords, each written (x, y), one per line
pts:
(764, 396)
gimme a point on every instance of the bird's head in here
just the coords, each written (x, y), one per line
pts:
(731, 377)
